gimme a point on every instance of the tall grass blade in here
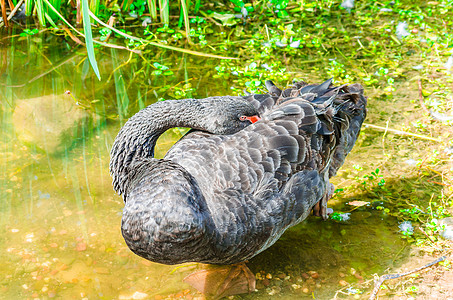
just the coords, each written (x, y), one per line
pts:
(127, 4)
(94, 6)
(185, 12)
(152, 9)
(49, 18)
(122, 98)
(29, 4)
(197, 5)
(89, 38)
(61, 17)
(164, 11)
(4, 17)
(146, 42)
(41, 13)
(86, 28)
(56, 4)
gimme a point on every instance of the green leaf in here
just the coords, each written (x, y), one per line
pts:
(226, 19)
(282, 14)
(89, 37)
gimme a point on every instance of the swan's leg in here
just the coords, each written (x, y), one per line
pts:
(223, 281)
(320, 209)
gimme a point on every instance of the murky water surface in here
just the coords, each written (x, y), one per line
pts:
(60, 219)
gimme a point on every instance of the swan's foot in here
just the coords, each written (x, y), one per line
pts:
(223, 281)
(320, 209)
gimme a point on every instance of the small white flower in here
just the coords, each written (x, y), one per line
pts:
(345, 216)
(146, 21)
(401, 31)
(406, 226)
(348, 5)
(449, 63)
(295, 44)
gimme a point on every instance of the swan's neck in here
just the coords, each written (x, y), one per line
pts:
(138, 136)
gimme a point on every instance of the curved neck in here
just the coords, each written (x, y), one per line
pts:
(138, 136)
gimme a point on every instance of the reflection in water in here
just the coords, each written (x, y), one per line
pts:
(60, 219)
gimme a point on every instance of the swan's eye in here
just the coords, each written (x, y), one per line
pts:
(252, 119)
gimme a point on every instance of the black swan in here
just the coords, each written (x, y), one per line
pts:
(251, 167)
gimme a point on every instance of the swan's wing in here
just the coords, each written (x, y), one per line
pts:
(248, 224)
(295, 134)
(247, 183)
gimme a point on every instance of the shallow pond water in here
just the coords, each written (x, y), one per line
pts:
(60, 218)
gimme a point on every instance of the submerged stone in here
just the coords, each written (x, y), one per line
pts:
(447, 233)
(51, 123)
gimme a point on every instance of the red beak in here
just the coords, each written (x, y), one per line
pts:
(253, 119)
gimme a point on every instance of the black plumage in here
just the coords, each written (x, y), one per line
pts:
(229, 189)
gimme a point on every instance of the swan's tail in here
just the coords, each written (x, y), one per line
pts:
(340, 111)
(350, 107)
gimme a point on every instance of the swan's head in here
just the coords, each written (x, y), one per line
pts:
(227, 115)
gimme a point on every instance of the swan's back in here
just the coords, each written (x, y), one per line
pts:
(304, 127)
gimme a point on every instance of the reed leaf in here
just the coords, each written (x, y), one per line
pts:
(197, 6)
(61, 17)
(41, 13)
(185, 13)
(164, 7)
(146, 42)
(88, 37)
(152, 9)
(49, 18)
(29, 4)
(126, 4)
(57, 5)
(4, 17)
(94, 6)
(122, 98)
(81, 34)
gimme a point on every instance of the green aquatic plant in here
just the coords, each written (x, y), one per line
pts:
(104, 34)
(342, 217)
(137, 7)
(28, 32)
(161, 69)
(414, 213)
(434, 226)
(369, 181)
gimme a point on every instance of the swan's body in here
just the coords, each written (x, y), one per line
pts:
(229, 190)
